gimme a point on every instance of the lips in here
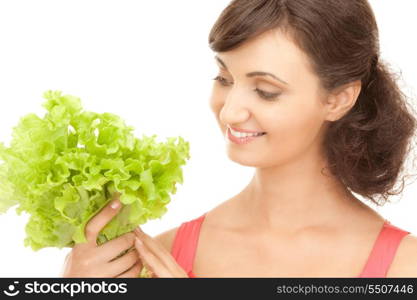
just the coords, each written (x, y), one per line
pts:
(241, 140)
(245, 130)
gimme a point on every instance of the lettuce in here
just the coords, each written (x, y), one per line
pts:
(63, 168)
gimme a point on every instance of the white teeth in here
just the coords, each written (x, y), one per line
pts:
(243, 135)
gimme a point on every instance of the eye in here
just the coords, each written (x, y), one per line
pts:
(266, 95)
(222, 80)
(263, 94)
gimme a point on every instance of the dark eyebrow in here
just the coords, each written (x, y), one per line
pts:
(252, 74)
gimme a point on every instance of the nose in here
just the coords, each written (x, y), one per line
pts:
(234, 110)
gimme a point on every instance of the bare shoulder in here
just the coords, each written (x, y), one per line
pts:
(166, 238)
(404, 263)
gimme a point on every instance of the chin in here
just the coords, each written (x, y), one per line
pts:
(248, 158)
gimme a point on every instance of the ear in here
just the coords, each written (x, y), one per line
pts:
(342, 99)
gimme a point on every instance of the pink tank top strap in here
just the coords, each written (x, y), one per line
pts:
(185, 243)
(383, 251)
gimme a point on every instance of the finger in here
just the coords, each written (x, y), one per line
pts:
(117, 245)
(67, 261)
(133, 272)
(151, 261)
(104, 216)
(157, 248)
(124, 263)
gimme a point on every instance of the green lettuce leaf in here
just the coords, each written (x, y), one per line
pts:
(63, 168)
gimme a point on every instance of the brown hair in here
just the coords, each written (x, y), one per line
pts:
(366, 148)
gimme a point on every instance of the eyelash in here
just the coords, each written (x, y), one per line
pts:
(261, 93)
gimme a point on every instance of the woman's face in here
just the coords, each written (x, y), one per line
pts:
(289, 109)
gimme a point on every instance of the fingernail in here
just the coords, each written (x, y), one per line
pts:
(139, 230)
(115, 204)
(138, 242)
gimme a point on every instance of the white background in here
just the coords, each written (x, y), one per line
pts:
(148, 62)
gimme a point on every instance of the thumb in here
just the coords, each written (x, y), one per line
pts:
(104, 216)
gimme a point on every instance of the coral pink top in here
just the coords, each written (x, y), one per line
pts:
(379, 260)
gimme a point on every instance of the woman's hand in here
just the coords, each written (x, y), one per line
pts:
(90, 260)
(156, 258)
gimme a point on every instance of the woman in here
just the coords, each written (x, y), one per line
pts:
(327, 120)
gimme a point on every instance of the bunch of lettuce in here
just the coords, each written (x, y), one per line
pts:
(63, 168)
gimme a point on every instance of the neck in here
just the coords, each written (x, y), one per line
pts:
(296, 195)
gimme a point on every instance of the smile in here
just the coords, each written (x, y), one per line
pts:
(242, 138)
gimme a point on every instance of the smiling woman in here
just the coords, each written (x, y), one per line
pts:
(302, 97)
(336, 92)
(308, 75)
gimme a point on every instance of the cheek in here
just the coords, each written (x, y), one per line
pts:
(294, 129)
(216, 102)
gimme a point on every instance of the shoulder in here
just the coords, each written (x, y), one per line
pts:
(404, 263)
(167, 237)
